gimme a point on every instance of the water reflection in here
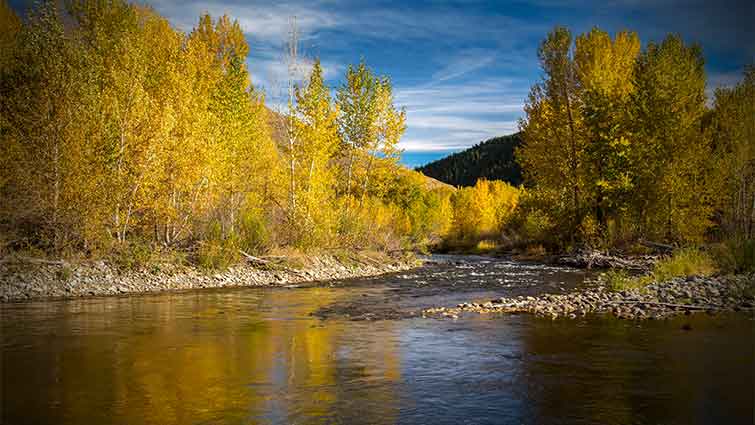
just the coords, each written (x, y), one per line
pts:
(191, 358)
(257, 356)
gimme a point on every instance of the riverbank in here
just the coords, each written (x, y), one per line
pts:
(30, 279)
(657, 300)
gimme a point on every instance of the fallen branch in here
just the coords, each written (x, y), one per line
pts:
(253, 259)
(19, 259)
(656, 245)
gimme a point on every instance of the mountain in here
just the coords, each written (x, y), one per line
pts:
(492, 159)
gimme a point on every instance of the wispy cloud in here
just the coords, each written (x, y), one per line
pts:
(462, 70)
(466, 62)
(453, 115)
(263, 22)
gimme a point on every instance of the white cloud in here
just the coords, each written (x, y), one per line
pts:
(448, 116)
(450, 122)
(468, 61)
(263, 23)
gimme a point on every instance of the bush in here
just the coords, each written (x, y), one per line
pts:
(254, 235)
(65, 273)
(485, 246)
(217, 254)
(132, 255)
(735, 256)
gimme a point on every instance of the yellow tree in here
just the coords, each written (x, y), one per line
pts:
(242, 156)
(553, 153)
(8, 48)
(381, 144)
(131, 117)
(178, 182)
(733, 132)
(602, 67)
(317, 130)
(47, 108)
(11, 26)
(356, 121)
(671, 199)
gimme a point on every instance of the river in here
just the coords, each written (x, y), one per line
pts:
(358, 351)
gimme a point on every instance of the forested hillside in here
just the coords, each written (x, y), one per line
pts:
(492, 159)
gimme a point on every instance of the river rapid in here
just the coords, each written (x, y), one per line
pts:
(359, 351)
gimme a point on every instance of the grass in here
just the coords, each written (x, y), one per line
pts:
(685, 262)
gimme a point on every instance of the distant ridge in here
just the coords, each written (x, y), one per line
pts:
(492, 159)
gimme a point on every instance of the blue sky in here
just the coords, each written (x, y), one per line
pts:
(463, 69)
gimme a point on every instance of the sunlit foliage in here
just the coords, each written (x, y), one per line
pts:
(617, 144)
(121, 134)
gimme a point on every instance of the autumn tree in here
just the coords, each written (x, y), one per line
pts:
(602, 67)
(481, 212)
(671, 199)
(381, 145)
(317, 135)
(553, 150)
(122, 134)
(242, 157)
(48, 107)
(733, 133)
(357, 115)
(11, 25)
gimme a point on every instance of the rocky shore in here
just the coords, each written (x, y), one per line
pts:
(656, 301)
(27, 280)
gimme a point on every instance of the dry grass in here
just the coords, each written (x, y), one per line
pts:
(685, 262)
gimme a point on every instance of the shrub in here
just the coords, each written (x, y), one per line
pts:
(535, 250)
(65, 273)
(254, 235)
(485, 245)
(217, 254)
(734, 256)
(132, 255)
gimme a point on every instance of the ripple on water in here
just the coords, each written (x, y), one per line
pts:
(255, 355)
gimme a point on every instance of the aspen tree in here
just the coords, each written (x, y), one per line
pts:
(553, 152)
(318, 139)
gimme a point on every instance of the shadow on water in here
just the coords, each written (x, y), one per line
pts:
(295, 356)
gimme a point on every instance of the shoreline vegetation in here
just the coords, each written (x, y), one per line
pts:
(128, 146)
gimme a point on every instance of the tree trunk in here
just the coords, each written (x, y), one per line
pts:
(573, 159)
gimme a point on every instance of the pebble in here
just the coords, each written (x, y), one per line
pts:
(39, 281)
(700, 294)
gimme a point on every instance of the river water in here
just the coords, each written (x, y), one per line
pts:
(358, 351)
